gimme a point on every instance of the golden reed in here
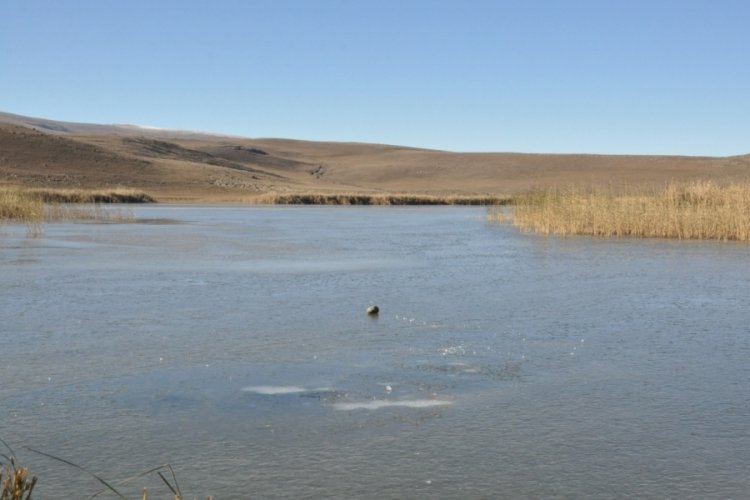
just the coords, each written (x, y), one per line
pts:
(15, 483)
(20, 205)
(37, 205)
(695, 210)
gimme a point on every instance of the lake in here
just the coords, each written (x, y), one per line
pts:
(232, 342)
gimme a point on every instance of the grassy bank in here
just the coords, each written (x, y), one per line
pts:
(697, 210)
(376, 199)
(91, 196)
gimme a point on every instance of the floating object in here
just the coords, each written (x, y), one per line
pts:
(388, 389)
(373, 310)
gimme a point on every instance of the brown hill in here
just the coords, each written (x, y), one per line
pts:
(180, 165)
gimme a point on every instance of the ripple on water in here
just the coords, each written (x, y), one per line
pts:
(385, 403)
(274, 390)
(294, 390)
(507, 371)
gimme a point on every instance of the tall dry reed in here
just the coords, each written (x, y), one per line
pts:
(15, 483)
(36, 206)
(20, 205)
(118, 195)
(696, 210)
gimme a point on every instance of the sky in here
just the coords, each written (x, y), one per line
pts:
(567, 76)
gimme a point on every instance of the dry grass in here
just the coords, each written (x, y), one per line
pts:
(33, 207)
(376, 199)
(20, 205)
(92, 196)
(15, 483)
(696, 210)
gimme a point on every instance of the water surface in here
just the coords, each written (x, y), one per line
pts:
(232, 342)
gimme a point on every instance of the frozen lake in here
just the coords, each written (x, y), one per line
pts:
(232, 342)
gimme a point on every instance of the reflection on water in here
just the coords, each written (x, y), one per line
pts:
(232, 342)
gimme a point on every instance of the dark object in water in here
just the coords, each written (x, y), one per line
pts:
(373, 310)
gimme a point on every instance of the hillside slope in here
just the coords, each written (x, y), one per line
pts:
(180, 165)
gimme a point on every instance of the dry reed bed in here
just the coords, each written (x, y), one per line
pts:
(696, 210)
(16, 204)
(376, 199)
(38, 205)
(92, 196)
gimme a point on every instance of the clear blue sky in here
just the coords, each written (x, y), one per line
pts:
(597, 76)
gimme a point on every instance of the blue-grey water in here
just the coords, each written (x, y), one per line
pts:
(232, 343)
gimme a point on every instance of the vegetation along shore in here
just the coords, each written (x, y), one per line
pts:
(685, 210)
(694, 210)
(35, 206)
(378, 199)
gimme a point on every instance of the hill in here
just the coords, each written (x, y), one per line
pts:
(193, 166)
